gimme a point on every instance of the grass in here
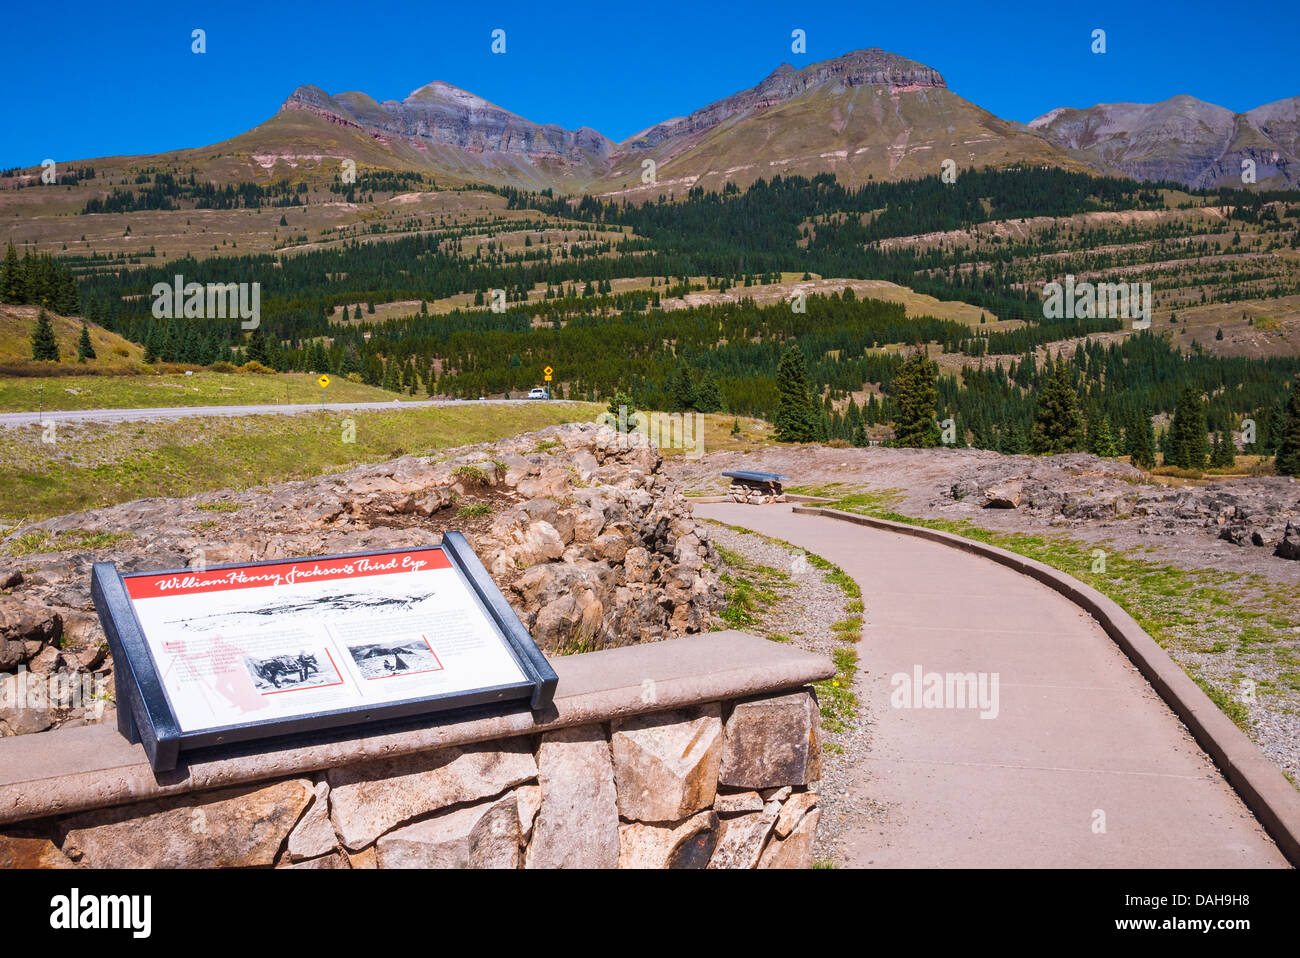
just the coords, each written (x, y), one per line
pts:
(746, 601)
(839, 705)
(100, 464)
(476, 511)
(203, 388)
(38, 540)
(472, 475)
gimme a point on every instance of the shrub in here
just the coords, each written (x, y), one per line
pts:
(253, 366)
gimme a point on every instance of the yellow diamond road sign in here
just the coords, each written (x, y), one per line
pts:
(547, 373)
(324, 381)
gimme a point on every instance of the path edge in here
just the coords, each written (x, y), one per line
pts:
(1261, 785)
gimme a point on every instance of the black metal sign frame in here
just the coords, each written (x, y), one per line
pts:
(145, 715)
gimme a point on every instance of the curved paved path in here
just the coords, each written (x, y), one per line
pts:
(1078, 730)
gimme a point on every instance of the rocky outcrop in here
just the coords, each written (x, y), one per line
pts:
(1080, 488)
(589, 541)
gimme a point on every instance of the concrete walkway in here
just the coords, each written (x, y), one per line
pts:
(1080, 740)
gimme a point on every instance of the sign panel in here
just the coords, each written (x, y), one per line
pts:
(248, 651)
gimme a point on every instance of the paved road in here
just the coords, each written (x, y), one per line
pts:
(1078, 730)
(180, 412)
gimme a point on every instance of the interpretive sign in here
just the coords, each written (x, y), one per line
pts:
(226, 654)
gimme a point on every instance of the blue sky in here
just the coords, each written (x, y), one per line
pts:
(88, 80)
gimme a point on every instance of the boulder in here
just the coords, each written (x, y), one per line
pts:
(1008, 496)
(740, 842)
(687, 844)
(737, 803)
(577, 825)
(228, 828)
(1289, 547)
(313, 835)
(666, 763)
(480, 836)
(793, 811)
(19, 852)
(794, 850)
(370, 798)
(25, 627)
(772, 742)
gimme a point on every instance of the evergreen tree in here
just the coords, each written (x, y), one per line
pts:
(1223, 454)
(392, 378)
(1058, 427)
(797, 419)
(681, 389)
(626, 403)
(258, 351)
(85, 348)
(914, 394)
(11, 278)
(1140, 443)
(1013, 440)
(1100, 441)
(44, 345)
(1287, 462)
(708, 398)
(1188, 443)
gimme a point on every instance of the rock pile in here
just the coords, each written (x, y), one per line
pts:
(589, 541)
(1079, 488)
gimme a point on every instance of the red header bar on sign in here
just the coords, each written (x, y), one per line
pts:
(295, 572)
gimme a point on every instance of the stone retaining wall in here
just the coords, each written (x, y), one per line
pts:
(730, 783)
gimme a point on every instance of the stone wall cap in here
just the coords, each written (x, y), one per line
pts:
(70, 770)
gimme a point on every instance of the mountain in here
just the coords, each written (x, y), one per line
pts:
(455, 132)
(1182, 139)
(868, 114)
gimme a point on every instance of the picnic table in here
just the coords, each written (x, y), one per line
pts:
(756, 488)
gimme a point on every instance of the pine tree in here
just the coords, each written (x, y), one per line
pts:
(1100, 441)
(681, 389)
(796, 416)
(1188, 443)
(1140, 442)
(1013, 440)
(11, 278)
(708, 398)
(44, 345)
(85, 348)
(1287, 462)
(392, 378)
(1058, 427)
(914, 394)
(1223, 454)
